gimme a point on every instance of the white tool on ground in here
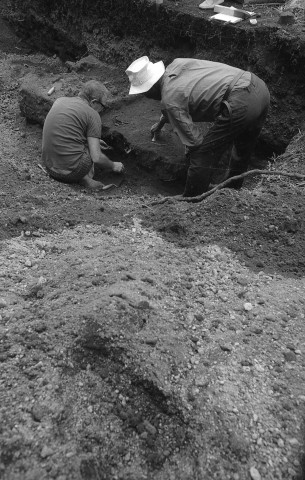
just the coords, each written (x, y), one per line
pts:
(52, 90)
(209, 4)
(110, 186)
(231, 14)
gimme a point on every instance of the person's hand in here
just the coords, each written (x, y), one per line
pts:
(104, 145)
(155, 129)
(118, 167)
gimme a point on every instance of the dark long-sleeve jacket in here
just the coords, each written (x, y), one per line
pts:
(192, 91)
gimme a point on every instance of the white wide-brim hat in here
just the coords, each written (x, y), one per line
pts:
(143, 74)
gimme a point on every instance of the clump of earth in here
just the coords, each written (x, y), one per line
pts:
(140, 339)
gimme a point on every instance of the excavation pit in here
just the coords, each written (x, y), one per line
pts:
(109, 33)
(152, 167)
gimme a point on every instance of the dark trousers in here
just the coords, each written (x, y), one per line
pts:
(238, 123)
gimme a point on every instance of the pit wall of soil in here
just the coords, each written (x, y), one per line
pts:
(117, 31)
(167, 27)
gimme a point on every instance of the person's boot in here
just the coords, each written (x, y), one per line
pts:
(194, 188)
(237, 167)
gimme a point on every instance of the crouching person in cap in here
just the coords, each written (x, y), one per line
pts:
(71, 137)
(191, 91)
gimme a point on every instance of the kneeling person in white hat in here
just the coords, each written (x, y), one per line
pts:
(191, 91)
(71, 143)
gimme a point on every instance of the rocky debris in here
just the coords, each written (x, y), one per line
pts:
(147, 355)
(39, 411)
(225, 347)
(3, 303)
(291, 4)
(290, 356)
(46, 452)
(255, 475)
(248, 306)
(34, 288)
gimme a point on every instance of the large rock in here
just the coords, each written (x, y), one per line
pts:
(85, 64)
(34, 99)
(38, 92)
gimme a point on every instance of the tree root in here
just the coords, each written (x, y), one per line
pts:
(201, 197)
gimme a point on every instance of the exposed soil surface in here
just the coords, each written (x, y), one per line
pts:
(142, 340)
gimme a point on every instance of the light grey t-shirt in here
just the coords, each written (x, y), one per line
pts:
(67, 126)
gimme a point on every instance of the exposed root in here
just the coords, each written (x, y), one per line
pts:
(201, 197)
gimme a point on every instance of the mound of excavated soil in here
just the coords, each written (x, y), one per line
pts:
(142, 340)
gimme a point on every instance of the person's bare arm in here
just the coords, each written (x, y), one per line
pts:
(100, 158)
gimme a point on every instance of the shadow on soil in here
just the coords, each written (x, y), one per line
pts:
(149, 414)
(264, 227)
